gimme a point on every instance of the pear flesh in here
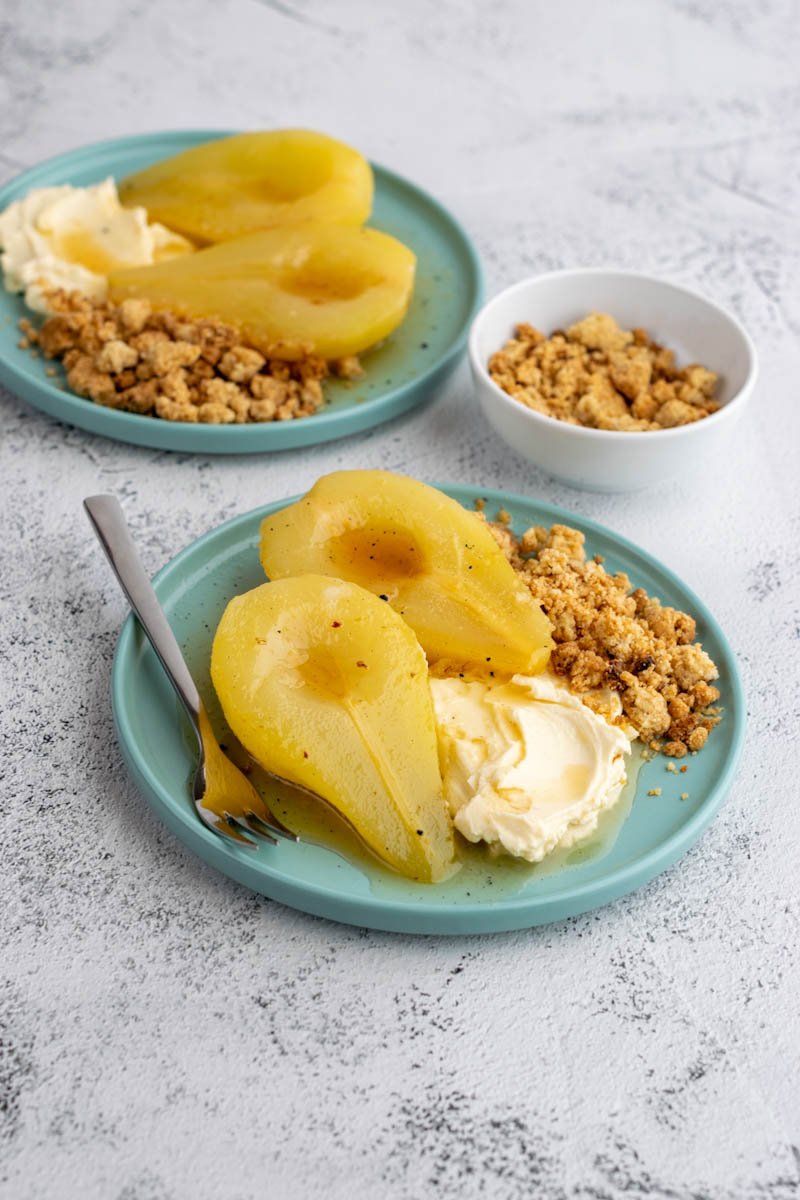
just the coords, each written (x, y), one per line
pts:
(333, 289)
(234, 185)
(325, 685)
(435, 563)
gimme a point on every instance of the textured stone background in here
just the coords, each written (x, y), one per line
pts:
(166, 1034)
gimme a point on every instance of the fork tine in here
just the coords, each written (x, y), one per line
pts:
(223, 827)
(269, 828)
(242, 821)
(259, 827)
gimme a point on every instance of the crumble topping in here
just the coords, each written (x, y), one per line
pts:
(609, 635)
(598, 375)
(131, 358)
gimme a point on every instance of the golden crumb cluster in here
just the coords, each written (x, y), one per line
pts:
(604, 377)
(609, 636)
(158, 364)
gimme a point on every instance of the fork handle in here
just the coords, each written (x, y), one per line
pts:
(108, 519)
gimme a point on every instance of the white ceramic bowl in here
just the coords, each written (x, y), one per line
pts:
(695, 328)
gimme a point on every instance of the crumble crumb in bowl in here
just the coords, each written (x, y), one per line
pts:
(554, 387)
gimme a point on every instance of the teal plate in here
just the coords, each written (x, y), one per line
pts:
(399, 375)
(486, 897)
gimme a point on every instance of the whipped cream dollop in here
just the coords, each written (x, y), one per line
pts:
(70, 238)
(526, 765)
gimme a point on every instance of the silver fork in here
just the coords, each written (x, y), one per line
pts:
(240, 813)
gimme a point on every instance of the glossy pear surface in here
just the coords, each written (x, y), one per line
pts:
(251, 181)
(335, 289)
(326, 686)
(437, 565)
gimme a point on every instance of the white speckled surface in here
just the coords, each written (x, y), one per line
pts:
(165, 1034)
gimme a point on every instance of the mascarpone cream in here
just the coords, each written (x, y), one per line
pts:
(72, 237)
(527, 767)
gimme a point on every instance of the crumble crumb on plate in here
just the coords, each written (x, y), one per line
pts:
(132, 358)
(610, 636)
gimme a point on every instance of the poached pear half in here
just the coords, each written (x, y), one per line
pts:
(325, 685)
(434, 562)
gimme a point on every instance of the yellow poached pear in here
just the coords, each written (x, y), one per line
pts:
(236, 185)
(334, 289)
(435, 563)
(326, 686)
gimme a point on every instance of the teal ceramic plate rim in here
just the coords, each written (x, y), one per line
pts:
(514, 912)
(234, 439)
